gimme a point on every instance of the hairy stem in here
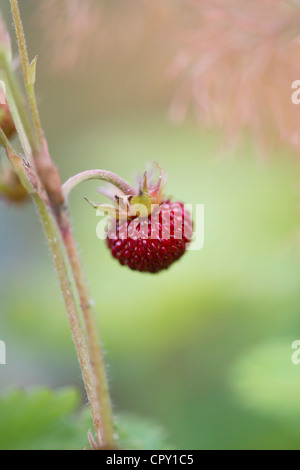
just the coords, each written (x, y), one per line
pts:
(17, 164)
(11, 80)
(26, 66)
(66, 287)
(16, 117)
(105, 433)
(55, 220)
(102, 175)
(57, 251)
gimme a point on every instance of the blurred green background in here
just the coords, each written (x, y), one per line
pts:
(203, 349)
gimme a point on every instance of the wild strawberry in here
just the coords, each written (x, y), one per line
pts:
(148, 233)
(147, 253)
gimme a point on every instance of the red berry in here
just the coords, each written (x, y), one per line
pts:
(147, 232)
(154, 243)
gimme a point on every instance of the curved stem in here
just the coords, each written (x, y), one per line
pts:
(107, 431)
(102, 175)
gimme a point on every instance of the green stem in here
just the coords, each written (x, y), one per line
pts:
(105, 433)
(3, 139)
(11, 81)
(57, 251)
(17, 163)
(17, 119)
(64, 277)
(66, 287)
(102, 175)
(57, 227)
(26, 66)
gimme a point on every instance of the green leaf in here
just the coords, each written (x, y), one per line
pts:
(40, 419)
(139, 433)
(31, 73)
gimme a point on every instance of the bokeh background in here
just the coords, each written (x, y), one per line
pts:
(203, 349)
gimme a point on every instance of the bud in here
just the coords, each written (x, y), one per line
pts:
(6, 121)
(49, 176)
(11, 188)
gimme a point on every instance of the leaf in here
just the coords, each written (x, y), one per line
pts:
(31, 73)
(40, 419)
(134, 432)
(138, 433)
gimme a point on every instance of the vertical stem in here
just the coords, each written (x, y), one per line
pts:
(91, 360)
(64, 278)
(104, 433)
(54, 241)
(17, 119)
(18, 97)
(87, 308)
(25, 65)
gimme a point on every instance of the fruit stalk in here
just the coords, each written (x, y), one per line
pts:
(102, 175)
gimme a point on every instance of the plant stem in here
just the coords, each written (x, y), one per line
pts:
(102, 175)
(26, 65)
(57, 251)
(63, 275)
(16, 92)
(56, 247)
(55, 219)
(107, 433)
(17, 118)
(17, 163)
(104, 433)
